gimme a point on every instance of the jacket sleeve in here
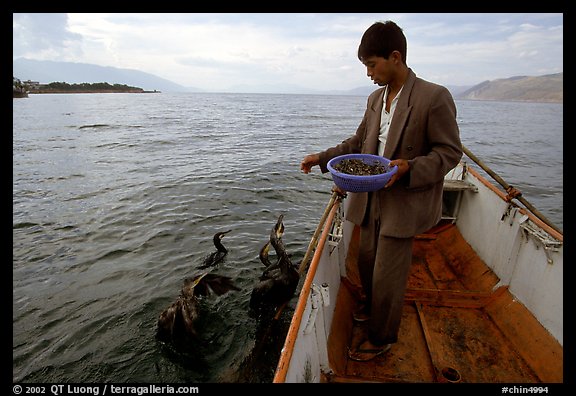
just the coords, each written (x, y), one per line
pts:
(443, 139)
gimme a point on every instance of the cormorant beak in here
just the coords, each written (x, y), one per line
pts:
(279, 228)
(224, 233)
(198, 279)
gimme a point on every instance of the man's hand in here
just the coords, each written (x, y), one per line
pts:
(403, 167)
(308, 162)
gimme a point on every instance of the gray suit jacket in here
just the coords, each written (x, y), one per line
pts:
(424, 131)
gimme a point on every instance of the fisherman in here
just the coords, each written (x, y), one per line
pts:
(412, 122)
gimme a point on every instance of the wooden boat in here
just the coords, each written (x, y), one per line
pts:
(484, 302)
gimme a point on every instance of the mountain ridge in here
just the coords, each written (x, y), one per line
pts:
(53, 71)
(546, 88)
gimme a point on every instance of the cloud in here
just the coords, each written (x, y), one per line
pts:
(316, 50)
(43, 36)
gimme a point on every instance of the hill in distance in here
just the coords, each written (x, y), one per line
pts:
(546, 88)
(75, 73)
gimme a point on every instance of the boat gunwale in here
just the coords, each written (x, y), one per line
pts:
(288, 348)
(523, 210)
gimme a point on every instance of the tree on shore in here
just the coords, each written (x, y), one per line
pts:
(17, 85)
(86, 87)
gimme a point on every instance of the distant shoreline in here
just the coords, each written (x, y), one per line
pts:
(33, 87)
(87, 91)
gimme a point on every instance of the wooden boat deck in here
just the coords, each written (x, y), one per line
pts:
(457, 326)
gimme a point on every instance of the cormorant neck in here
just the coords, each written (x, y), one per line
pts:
(263, 255)
(219, 245)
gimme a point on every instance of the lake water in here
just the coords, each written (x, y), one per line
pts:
(116, 198)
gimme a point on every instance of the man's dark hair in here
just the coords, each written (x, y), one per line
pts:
(381, 39)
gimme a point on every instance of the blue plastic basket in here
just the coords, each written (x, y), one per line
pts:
(353, 183)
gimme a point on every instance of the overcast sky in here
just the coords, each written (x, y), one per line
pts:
(317, 51)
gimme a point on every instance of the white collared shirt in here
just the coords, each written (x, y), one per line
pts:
(386, 120)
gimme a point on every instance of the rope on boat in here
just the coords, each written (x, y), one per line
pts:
(513, 193)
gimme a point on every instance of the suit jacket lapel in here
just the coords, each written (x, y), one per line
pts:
(373, 127)
(400, 117)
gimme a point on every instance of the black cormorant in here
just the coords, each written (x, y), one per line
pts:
(279, 280)
(176, 322)
(216, 257)
(275, 235)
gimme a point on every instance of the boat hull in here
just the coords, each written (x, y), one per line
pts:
(483, 304)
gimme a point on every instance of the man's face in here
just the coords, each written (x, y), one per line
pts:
(379, 69)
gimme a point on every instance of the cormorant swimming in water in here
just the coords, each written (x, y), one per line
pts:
(278, 281)
(216, 257)
(176, 323)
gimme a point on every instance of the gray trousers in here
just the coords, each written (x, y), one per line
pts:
(384, 264)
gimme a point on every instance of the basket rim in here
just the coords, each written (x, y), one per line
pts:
(348, 176)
